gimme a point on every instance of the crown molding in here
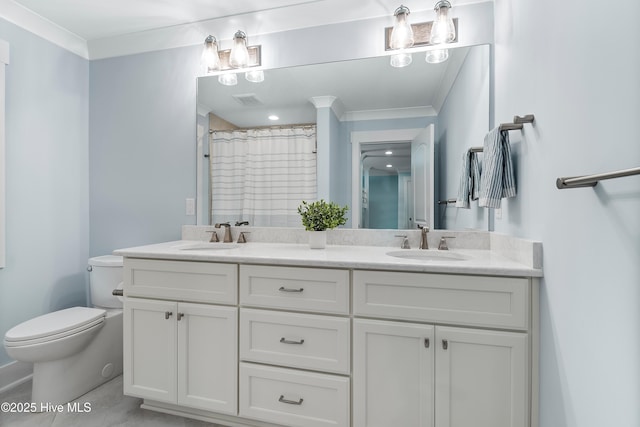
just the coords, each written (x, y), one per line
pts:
(393, 113)
(36, 24)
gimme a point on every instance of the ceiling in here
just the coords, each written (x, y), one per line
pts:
(83, 26)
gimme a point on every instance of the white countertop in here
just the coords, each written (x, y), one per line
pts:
(482, 262)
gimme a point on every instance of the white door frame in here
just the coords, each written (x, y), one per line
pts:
(362, 137)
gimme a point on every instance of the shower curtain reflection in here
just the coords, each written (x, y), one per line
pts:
(262, 175)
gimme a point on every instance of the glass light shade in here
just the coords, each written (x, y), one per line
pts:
(254, 76)
(443, 30)
(239, 57)
(400, 60)
(402, 33)
(437, 56)
(228, 79)
(210, 60)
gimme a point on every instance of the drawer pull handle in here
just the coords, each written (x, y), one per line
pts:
(283, 340)
(283, 289)
(168, 314)
(180, 316)
(445, 344)
(290, 402)
(426, 343)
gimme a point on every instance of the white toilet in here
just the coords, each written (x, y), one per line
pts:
(76, 349)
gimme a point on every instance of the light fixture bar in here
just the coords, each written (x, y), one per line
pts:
(255, 57)
(421, 34)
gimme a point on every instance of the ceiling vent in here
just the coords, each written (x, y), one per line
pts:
(248, 100)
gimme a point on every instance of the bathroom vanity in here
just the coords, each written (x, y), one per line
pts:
(268, 334)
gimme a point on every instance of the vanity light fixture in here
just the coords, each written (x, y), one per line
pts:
(438, 32)
(402, 33)
(389, 166)
(401, 37)
(388, 152)
(443, 29)
(210, 60)
(239, 57)
(273, 117)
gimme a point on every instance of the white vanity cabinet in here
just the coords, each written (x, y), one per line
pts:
(179, 352)
(426, 374)
(257, 345)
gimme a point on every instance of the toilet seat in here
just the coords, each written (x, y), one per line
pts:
(55, 325)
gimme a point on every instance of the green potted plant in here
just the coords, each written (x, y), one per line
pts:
(320, 216)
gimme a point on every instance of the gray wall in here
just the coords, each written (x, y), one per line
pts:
(463, 121)
(558, 61)
(142, 147)
(47, 174)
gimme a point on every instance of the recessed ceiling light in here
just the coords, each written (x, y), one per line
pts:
(388, 152)
(389, 166)
(274, 117)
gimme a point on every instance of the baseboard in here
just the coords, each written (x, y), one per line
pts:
(13, 374)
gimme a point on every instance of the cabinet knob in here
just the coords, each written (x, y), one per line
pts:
(445, 344)
(168, 314)
(180, 316)
(426, 343)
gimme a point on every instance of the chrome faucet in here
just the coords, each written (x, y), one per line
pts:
(227, 231)
(423, 236)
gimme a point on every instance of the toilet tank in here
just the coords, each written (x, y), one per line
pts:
(105, 274)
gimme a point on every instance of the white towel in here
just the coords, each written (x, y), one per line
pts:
(497, 180)
(469, 180)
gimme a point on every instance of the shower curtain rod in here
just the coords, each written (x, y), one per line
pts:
(302, 126)
(518, 124)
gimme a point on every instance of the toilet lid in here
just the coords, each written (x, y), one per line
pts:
(54, 323)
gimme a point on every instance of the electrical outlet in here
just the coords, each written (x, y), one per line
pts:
(191, 206)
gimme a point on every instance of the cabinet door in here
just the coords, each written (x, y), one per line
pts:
(481, 378)
(393, 365)
(150, 366)
(207, 357)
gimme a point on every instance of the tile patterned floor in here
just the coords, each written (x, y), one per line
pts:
(108, 408)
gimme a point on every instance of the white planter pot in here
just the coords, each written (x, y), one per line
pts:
(317, 239)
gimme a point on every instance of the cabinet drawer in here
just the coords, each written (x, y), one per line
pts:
(469, 300)
(296, 340)
(181, 280)
(304, 289)
(293, 398)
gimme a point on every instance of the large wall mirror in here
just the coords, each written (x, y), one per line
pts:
(386, 141)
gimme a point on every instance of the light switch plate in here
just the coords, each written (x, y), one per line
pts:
(191, 207)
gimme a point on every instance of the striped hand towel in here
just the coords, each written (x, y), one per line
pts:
(497, 180)
(469, 180)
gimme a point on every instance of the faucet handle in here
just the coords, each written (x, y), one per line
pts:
(443, 243)
(405, 241)
(214, 236)
(242, 237)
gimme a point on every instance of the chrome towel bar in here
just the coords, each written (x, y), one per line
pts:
(592, 180)
(518, 124)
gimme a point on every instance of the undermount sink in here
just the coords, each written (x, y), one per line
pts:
(427, 255)
(206, 246)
